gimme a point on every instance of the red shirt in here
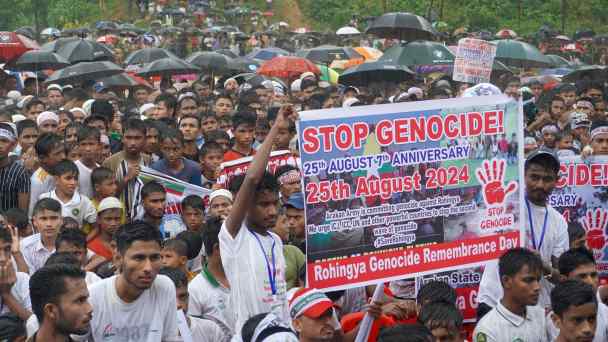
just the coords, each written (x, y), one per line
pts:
(234, 155)
(97, 246)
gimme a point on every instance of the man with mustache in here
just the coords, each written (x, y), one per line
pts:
(546, 231)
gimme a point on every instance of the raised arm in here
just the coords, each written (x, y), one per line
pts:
(245, 195)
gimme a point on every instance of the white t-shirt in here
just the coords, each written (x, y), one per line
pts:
(554, 244)
(246, 268)
(601, 329)
(41, 182)
(204, 330)
(150, 318)
(21, 292)
(91, 278)
(80, 207)
(84, 179)
(501, 325)
(210, 300)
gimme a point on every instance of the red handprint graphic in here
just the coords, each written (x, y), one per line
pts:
(491, 176)
(595, 223)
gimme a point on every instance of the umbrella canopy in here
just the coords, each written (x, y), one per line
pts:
(419, 53)
(168, 67)
(123, 81)
(401, 25)
(328, 74)
(148, 55)
(379, 71)
(557, 61)
(520, 54)
(587, 72)
(243, 65)
(13, 45)
(85, 71)
(287, 67)
(26, 31)
(227, 53)
(555, 72)
(83, 50)
(211, 61)
(369, 53)
(267, 54)
(347, 30)
(506, 34)
(325, 54)
(56, 44)
(51, 31)
(36, 60)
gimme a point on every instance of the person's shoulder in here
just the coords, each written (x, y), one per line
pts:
(113, 160)
(536, 312)
(30, 240)
(22, 277)
(191, 164)
(99, 287)
(163, 283)
(196, 282)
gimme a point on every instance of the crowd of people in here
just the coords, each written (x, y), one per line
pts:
(85, 253)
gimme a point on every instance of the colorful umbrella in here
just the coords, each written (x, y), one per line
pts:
(328, 74)
(402, 26)
(287, 67)
(369, 53)
(13, 45)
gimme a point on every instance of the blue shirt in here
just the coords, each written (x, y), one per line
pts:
(191, 172)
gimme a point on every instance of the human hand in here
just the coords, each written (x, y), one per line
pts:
(491, 177)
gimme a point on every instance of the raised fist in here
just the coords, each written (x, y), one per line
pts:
(491, 177)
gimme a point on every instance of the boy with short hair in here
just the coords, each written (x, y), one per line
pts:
(14, 291)
(516, 316)
(175, 254)
(209, 123)
(50, 150)
(73, 204)
(89, 146)
(202, 330)
(173, 162)
(190, 126)
(575, 312)
(193, 213)
(209, 289)
(18, 219)
(27, 133)
(109, 216)
(47, 219)
(211, 156)
(443, 319)
(243, 126)
(75, 242)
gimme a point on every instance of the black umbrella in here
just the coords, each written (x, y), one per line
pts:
(122, 81)
(227, 52)
(403, 26)
(85, 71)
(267, 54)
(325, 54)
(379, 71)
(207, 60)
(35, 60)
(83, 50)
(55, 45)
(587, 72)
(167, 67)
(243, 64)
(148, 55)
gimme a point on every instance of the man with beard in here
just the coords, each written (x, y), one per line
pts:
(60, 302)
(545, 228)
(138, 304)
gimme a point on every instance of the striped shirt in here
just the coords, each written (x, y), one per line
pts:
(34, 252)
(14, 180)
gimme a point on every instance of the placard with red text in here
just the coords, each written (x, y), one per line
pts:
(408, 189)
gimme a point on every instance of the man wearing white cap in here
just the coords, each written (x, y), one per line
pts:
(313, 317)
(14, 182)
(109, 214)
(54, 94)
(47, 122)
(220, 203)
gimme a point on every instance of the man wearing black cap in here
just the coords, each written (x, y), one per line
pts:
(546, 230)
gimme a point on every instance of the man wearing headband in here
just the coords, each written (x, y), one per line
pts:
(14, 182)
(47, 122)
(550, 133)
(599, 138)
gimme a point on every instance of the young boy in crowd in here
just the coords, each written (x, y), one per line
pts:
(153, 197)
(444, 320)
(17, 218)
(175, 254)
(193, 213)
(211, 156)
(516, 316)
(209, 123)
(173, 162)
(209, 290)
(190, 126)
(50, 150)
(109, 216)
(575, 312)
(579, 264)
(73, 204)
(14, 291)
(74, 242)
(202, 330)
(243, 126)
(47, 219)
(89, 146)
(576, 235)
(27, 133)
(221, 138)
